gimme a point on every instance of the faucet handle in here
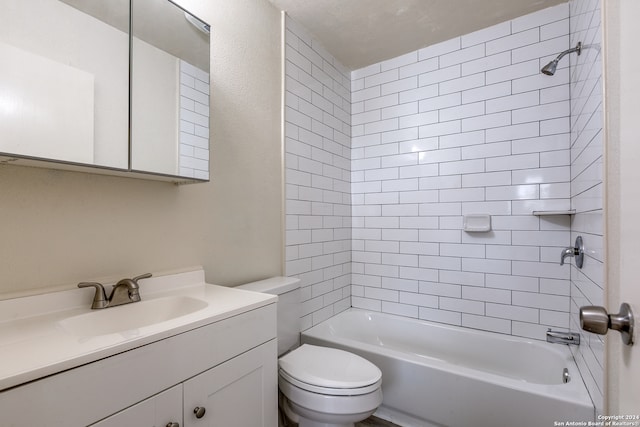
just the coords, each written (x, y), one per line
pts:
(100, 297)
(142, 276)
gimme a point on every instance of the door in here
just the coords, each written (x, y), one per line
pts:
(622, 125)
(160, 410)
(242, 392)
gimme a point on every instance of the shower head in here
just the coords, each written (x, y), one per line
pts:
(550, 68)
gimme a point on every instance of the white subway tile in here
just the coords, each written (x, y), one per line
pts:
(438, 156)
(461, 305)
(526, 99)
(417, 145)
(555, 126)
(488, 179)
(540, 50)
(518, 253)
(512, 312)
(400, 284)
(513, 192)
(492, 208)
(419, 67)
(380, 150)
(419, 222)
(439, 49)
(400, 110)
(468, 251)
(486, 34)
(462, 278)
(399, 135)
(541, 176)
(421, 300)
(400, 210)
(506, 133)
(418, 273)
(400, 309)
(540, 144)
(482, 151)
(491, 238)
(418, 119)
(409, 184)
(365, 72)
(462, 195)
(462, 139)
(407, 260)
(440, 316)
(525, 207)
(376, 103)
(461, 84)
(404, 84)
(439, 236)
(515, 283)
(399, 61)
(440, 182)
(440, 129)
(381, 126)
(542, 301)
(418, 94)
(419, 248)
(462, 167)
(490, 62)
(459, 112)
(487, 121)
(515, 71)
(440, 102)
(462, 55)
(493, 266)
(424, 170)
(423, 196)
(518, 161)
(514, 41)
(441, 289)
(541, 112)
(541, 17)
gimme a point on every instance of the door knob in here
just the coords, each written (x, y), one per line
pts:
(595, 319)
(199, 411)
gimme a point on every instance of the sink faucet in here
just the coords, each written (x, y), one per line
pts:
(125, 291)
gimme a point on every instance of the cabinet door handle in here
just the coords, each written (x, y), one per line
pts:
(199, 411)
(173, 425)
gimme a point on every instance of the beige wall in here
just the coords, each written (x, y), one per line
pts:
(59, 228)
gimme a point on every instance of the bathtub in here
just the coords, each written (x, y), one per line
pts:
(440, 375)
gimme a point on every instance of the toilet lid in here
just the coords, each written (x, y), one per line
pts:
(329, 368)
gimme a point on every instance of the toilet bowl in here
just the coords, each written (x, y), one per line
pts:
(318, 386)
(322, 387)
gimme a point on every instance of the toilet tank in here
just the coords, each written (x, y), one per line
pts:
(288, 291)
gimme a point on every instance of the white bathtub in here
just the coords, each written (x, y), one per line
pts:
(440, 375)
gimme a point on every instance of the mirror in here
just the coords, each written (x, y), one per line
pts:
(169, 90)
(64, 81)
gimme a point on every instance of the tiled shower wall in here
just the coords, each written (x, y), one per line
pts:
(317, 169)
(194, 122)
(587, 284)
(466, 126)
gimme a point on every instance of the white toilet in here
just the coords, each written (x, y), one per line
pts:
(319, 386)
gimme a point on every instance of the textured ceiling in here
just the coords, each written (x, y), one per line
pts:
(362, 32)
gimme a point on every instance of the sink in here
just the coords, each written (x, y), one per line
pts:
(131, 316)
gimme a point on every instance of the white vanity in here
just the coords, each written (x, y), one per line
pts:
(188, 354)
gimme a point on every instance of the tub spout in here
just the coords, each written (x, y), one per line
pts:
(558, 337)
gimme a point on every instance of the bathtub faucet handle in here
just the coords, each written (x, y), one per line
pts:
(577, 251)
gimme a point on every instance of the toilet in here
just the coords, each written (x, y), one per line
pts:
(319, 386)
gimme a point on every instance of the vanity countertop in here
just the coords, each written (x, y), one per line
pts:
(36, 340)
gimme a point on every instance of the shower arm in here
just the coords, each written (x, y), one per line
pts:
(578, 49)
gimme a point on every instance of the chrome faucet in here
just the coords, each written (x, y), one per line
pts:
(557, 337)
(577, 251)
(124, 292)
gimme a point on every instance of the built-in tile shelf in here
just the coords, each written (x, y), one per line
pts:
(548, 213)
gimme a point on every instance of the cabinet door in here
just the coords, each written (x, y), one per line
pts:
(242, 392)
(158, 411)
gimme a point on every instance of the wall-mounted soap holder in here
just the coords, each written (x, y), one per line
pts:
(476, 223)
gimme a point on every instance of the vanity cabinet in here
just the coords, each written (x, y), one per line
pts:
(235, 393)
(229, 367)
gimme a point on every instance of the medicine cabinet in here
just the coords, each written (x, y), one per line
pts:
(115, 87)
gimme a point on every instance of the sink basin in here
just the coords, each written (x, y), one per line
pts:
(131, 316)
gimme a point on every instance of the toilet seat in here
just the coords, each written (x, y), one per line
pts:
(329, 371)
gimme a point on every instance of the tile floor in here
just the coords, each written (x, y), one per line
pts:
(375, 422)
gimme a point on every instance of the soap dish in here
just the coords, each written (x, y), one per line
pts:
(476, 223)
